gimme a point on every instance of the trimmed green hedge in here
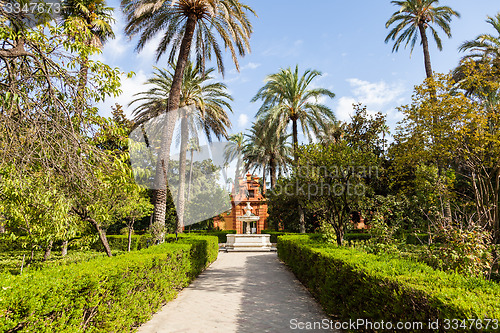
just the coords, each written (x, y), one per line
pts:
(355, 285)
(120, 242)
(275, 234)
(105, 294)
(357, 236)
(221, 234)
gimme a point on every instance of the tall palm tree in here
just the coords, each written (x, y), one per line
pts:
(412, 19)
(484, 51)
(185, 21)
(234, 150)
(288, 97)
(267, 150)
(208, 102)
(91, 19)
(485, 47)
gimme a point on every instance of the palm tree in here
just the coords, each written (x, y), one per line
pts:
(413, 18)
(91, 19)
(207, 102)
(485, 51)
(185, 21)
(287, 96)
(331, 132)
(485, 48)
(267, 150)
(234, 150)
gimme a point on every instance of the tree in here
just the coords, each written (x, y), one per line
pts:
(412, 19)
(234, 150)
(184, 22)
(267, 150)
(485, 48)
(203, 104)
(90, 21)
(287, 97)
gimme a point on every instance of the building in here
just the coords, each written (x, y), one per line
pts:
(247, 190)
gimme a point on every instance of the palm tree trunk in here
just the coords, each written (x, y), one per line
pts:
(295, 140)
(425, 46)
(272, 170)
(263, 178)
(181, 200)
(190, 177)
(173, 104)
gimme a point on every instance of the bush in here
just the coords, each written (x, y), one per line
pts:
(417, 239)
(276, 234)
(356, 285)
(120, 242)
(221, 234)
(102, 295)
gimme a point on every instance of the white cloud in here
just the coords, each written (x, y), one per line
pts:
(242, 120)
(129, 88)
(377, 96)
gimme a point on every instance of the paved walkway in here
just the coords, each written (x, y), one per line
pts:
(242, 292)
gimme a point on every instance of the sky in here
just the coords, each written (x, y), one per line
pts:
(344, 40)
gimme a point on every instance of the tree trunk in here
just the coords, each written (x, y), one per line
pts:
(263, 179)
(64, 248)
(181, 199)
(190, 177)
(272, 166)
(302, 221)
(295, 140)
(173, 104)
(48, 251)
(130, 229)
(425, 46)
(102, 236)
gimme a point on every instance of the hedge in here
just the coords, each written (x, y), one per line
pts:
(102, 295)
(275, 234)
(120, 242)
(352, 284)
(357, 236)
(221, 234)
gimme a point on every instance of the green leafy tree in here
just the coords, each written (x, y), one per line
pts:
(287, 97)
(205, 103)
(90, 21)
(416, 17)
(267, 150)
(183, 23)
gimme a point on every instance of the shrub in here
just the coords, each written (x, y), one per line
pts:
(356, 285)
(221, 234)
(463, 251)
(120, 242)
(276, 234)
(102, 295)
(417, 239)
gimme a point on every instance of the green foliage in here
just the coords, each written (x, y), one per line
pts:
(120, 242)
(220, 234)
(463, 251)
(353, 284)
(275, 234)
(105, 294)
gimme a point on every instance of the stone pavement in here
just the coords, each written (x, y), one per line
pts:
(241, 292)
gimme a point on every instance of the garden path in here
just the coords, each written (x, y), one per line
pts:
(241, 292)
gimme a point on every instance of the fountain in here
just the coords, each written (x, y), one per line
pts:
(249, 241)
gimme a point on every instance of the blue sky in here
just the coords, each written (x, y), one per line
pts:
(342, 39)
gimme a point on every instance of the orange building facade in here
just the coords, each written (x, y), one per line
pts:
(247, 190)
